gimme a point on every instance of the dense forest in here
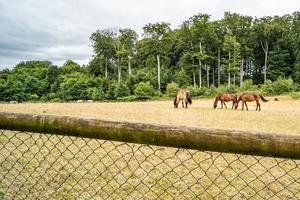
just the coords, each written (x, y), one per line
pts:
(235, 53)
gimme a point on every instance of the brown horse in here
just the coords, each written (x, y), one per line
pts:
(184, 97)
(225, 97)
(249, 97)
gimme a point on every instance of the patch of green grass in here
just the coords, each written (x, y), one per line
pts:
(295, 95)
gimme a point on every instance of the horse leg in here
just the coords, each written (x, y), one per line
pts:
(246, 105)
(225, 105)
(182, 103)
(242, 105)
(258, 104)
(232, 104)
(186, 104)
(222, 104)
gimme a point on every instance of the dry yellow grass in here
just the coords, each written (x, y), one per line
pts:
(281, 116)
(54, 167)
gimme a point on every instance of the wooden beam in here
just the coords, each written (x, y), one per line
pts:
(229, 141)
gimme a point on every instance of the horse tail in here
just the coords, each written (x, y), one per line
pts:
(263, 98)
(188, 97)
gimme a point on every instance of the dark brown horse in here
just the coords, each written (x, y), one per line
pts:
(225, 97)
(183, 96)
(249, 97)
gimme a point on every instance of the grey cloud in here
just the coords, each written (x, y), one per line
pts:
(58, 30)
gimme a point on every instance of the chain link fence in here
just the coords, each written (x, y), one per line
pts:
(47, 166)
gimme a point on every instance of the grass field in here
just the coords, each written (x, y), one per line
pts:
(39, 166)
(281, 116)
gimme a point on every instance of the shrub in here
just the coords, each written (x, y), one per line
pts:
(247, 86)
(127, 98)
(49, 96)
(172, 89)
(33, 97)
(110, 93)
(280, 86)
(212, 91)
(95, 93)
(182, 78)
(56, 100)
(295, 95)
(195, 91)
(144, 90)
(121, 90)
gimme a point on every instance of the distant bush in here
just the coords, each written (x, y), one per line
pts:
(121, 90)
(295, 95)
(33, 97)
(127, 98)
(172, 89)
(49, 96)
(225, 89)
(209, 92)
(144, 90)
(95, 94)
(195, 91)
(56, 100)
(280, 86)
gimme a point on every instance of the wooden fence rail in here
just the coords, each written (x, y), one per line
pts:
(228, 141)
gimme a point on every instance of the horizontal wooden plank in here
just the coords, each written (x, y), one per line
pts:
(231, 141)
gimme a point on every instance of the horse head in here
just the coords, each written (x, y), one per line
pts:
(215, 104)
(188, 97)
(236, 105)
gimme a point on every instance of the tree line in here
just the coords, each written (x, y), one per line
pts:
(202, 54)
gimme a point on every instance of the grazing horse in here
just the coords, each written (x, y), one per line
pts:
(249, 97)
(225, 97)
(184, 97)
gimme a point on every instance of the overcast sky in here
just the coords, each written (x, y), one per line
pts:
(58, 30)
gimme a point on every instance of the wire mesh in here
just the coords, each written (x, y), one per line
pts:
(46, 166)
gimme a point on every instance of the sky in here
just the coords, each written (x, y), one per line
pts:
(58, 30)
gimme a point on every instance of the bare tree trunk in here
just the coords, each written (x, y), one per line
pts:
(213, 76)
(194, 78)
(200, 67)
(119, 70)
(129, 65)
(207, 75)
(265, 67)
(241, 72)
(229, 57)
(158, 71)
(265, 47)
(106, 70)
(200, 74)
(234, 79)
(219, 66)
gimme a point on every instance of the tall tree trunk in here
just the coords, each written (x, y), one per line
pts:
(200, 74)
(213, 76)
(119, 70)
(194, 77)
(129, 65)
(234, 79)
(265, 47)
(200, 67)
(207, 75)
(158, 71)
(106, 70)
(242, 72)
(229, 57)
(219, 66)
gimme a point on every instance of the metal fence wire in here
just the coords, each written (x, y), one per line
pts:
(44, 166)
